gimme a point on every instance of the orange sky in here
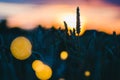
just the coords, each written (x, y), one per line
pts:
(95, 15)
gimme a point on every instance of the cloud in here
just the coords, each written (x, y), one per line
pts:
(28, 15)
(7, 9)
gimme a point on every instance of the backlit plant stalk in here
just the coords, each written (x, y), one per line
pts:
(78, 21)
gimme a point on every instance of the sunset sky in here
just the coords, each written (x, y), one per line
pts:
(102, 15)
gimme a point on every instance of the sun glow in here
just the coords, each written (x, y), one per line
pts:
(70, 19)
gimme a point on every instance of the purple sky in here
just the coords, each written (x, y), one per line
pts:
(116, 2)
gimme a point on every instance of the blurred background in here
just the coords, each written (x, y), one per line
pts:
(102, 15)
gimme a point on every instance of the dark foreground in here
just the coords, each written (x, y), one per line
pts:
(94, 51)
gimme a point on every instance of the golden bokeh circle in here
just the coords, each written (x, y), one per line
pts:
(21, 48)
(87, 73)
(37, 65)
(64, 55)
(45, 73)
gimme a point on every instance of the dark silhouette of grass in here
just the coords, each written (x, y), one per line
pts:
(95, 51)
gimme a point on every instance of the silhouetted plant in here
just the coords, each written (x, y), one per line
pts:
(114, 33)
(74, 31)
(66, 27)
(78, 21)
